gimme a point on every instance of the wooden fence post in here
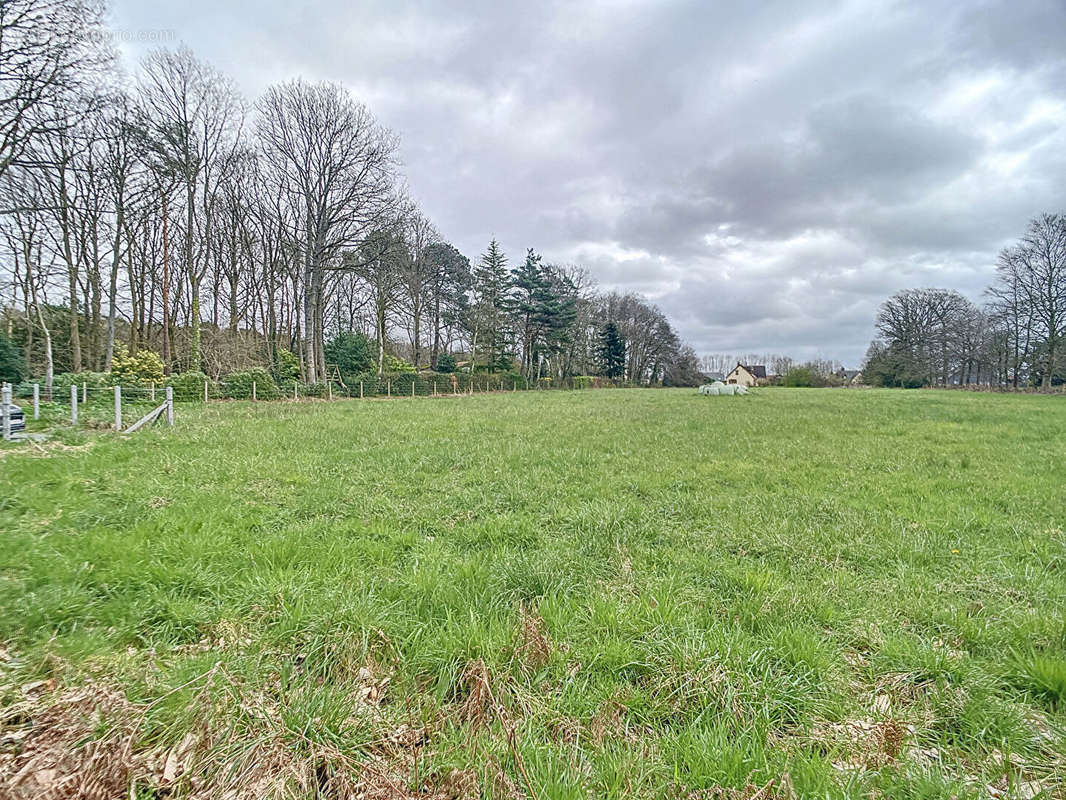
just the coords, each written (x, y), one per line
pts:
(205, 391)
(296, 391)
(73, 404)
(360, 389)
(153, 391)
(253, 391)
(388, 388)
(412, 387)
(5, 414)
(84, 392)
(434, 387)
(36, 401)
(170, 406)
(118, 409)
(329, 389)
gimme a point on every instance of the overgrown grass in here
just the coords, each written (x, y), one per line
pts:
(587, 594)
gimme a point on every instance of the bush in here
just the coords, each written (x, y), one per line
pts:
(138, 369)
(799, 377)
(313, 390)
(190, 386)
(352, 353)
(445, 363)
(892, 366)
(94, 380)
(287, 367)
(583, 381)
(394, 365)
(238, 385)
(12, 364)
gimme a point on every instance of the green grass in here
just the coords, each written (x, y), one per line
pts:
(670, 593)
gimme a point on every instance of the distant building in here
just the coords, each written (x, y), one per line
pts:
(849, 377)
(747, 375)
(714, 376)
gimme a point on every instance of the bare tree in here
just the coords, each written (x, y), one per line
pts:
(380, 264)
(419, 276)
(1031, 286)
(49, 50)
(194, 117)
(23, 233)
(327, 152)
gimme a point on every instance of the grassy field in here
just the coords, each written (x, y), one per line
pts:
(799, 593)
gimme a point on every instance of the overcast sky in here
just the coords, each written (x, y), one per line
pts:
(766, 172)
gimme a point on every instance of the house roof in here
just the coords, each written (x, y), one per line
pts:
(756, 370)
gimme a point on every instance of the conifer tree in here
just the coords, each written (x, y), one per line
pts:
(488, 317)
(612, 351)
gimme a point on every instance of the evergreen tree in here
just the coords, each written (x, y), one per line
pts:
(451, 285)
(12, 365)
(612, 351)
(445, 362)
(351, 353)
(558, 315)
(530, 291)
(543, 305)
(487, 312)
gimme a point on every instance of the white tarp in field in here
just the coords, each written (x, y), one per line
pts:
(719, 388)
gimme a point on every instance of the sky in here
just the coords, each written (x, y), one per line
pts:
(766, 172)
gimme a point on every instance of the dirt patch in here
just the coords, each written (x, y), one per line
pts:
(77, 744)
(86, 743)
(779, 788)
(534, 647)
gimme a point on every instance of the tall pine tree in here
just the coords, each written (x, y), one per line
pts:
(530, 292)
(612, 351)
(487, 315)
(543, 304)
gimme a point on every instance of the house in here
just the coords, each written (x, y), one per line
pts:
(849, 377)
(747, 375)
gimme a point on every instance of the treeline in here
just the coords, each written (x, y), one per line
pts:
(776, 364)
(174, 216)
(937, 337)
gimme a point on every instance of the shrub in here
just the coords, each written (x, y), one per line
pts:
(137, 369)
(287, 367)
(238, 385)
(353, 353)
(799, 377)
(582, 381)
(190, 386)
(512, 379)
(445, 363)
(12, 364)
(94, 380)
(892, 366)
(394, 365)
(313, 390)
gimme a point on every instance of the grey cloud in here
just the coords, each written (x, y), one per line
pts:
(768, 172)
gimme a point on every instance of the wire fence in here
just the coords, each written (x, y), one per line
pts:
(126, 407)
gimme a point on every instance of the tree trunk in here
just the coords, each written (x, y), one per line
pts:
(194, 323)
(112, 289)
(380, 320)
(49, 364)
(435, 350)
(166, 293)
(416, 345)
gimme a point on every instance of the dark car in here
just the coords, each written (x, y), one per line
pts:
(18, 419)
